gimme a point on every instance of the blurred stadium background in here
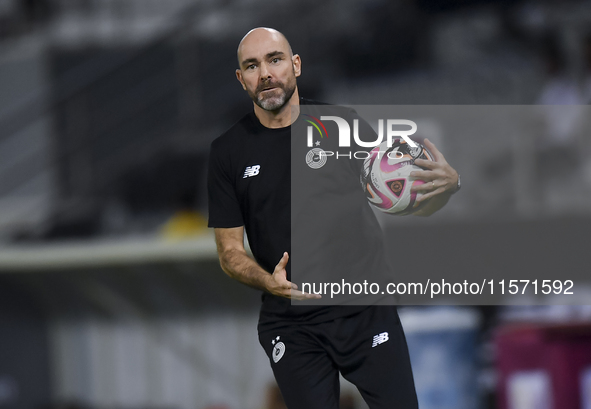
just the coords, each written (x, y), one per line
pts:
(110, 291)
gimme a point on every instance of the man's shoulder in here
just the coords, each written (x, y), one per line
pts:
(327, 108)
(235, 133)
(306, 101)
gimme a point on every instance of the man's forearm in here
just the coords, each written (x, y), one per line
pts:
(240, 266)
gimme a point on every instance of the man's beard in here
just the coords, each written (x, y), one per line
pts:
(280, 95)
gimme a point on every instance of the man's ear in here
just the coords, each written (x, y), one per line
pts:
(297, 64)
(239, 77)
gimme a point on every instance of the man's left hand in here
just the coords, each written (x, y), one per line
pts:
(440, 177)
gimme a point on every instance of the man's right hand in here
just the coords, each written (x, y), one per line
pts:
(240, 266)
(280, 286)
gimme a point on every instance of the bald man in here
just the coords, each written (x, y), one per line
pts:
(249, 189)
(268, 71)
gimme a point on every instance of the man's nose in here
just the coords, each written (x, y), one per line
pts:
(265, 74)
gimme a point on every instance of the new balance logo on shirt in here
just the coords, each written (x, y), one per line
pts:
(379, 339)
(251, 171)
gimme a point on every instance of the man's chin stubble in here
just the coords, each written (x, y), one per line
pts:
(272, 104)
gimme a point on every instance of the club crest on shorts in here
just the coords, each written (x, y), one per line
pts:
(278, 349)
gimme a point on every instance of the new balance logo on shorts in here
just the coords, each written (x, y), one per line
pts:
(251, 171)
(278, 349)
(379, 339)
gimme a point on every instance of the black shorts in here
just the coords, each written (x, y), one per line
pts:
(369, 349)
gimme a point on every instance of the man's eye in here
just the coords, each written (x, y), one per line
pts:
(275, 60)
(251, 67)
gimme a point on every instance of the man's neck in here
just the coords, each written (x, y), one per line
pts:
(281, 118)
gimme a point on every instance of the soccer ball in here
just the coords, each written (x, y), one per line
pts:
(386, 180)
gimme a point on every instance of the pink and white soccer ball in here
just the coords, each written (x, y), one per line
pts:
(386, 179)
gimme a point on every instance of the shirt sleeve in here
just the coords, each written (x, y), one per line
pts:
(224, 208)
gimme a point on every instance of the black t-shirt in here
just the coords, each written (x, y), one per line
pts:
(249, 184)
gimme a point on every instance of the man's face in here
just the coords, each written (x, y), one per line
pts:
(267, 71)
